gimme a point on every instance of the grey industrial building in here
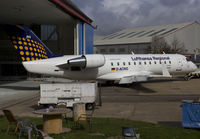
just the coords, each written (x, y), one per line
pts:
(139, 39)
(60, 24)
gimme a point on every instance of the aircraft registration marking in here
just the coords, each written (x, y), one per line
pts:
(119, 69)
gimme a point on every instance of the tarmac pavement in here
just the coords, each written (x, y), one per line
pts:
(157, 101)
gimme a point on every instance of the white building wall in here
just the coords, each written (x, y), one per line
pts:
(189, 35)
(122, 49)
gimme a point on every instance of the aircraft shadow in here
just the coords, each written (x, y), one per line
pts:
(7, 82)
(138, 87)
(154, 80)
(163, 80)
(134, 86)
(20, 88)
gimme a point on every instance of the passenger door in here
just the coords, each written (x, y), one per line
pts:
(180, 65)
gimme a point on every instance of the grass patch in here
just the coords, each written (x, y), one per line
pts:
(107, 127)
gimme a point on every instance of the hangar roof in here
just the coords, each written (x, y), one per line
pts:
(140, 34)
(69, 7)
(39, 12)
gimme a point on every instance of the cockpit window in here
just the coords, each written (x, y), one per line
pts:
(188, 59)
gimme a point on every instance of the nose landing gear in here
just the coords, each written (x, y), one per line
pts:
(192, 75)
(187, 78)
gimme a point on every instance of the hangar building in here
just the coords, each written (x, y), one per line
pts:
(139, 39)
(63, 27)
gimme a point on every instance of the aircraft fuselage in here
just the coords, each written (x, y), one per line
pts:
(115, 67)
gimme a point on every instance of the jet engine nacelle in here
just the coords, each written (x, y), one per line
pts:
(94, 61)
(87, 61)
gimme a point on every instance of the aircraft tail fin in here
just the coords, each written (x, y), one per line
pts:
(28, 45)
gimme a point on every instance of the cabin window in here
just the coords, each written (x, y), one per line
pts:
(160, 62)
(134, 63)
(188, 59)
(154, 62)
(124, 63)
(111, 63)
(139, 63)
(149, 62)
(165, 62)
(145, 63)
(129, 63)
(117, 63)
(170, 62)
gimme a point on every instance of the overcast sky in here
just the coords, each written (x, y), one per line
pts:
(114, 15)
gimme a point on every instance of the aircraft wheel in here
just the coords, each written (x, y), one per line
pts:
(186, 78)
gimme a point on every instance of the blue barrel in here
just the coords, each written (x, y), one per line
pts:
(190, 114)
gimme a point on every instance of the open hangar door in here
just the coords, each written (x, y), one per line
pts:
(56, 25)
(85, 33)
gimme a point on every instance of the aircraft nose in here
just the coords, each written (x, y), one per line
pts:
(194, 67)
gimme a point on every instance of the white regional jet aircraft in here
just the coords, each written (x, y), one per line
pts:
(37, 58)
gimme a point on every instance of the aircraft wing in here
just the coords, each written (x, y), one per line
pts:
(129, 77)
(125, 77)
(143, 76)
